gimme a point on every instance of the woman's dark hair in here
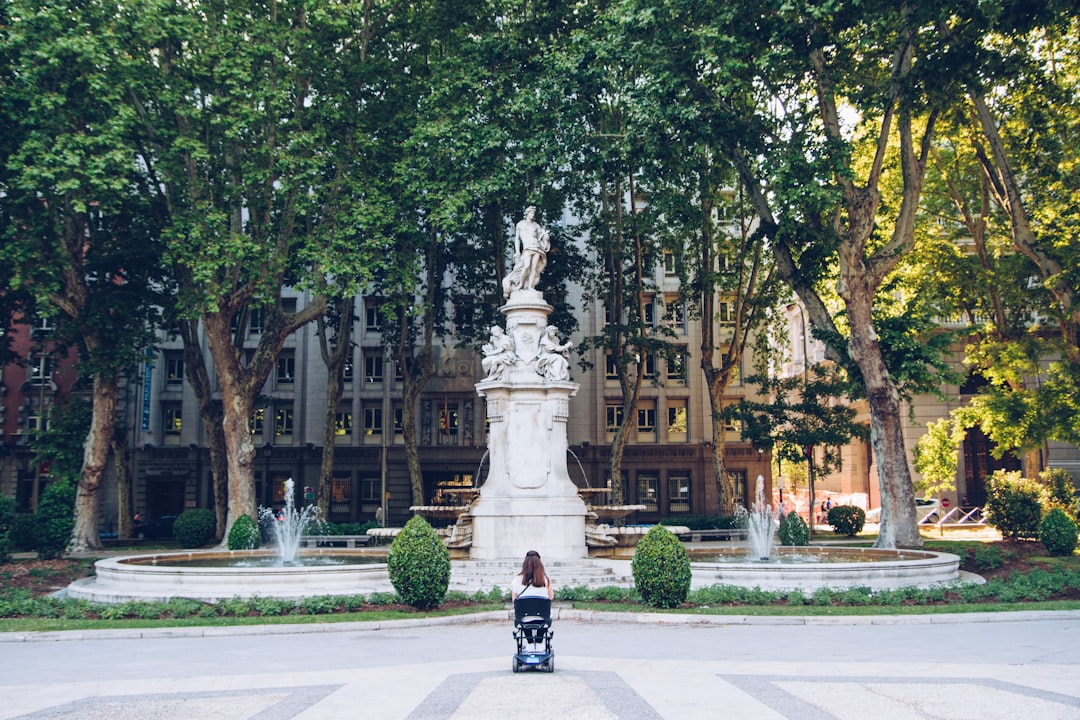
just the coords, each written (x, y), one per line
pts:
(532, 570)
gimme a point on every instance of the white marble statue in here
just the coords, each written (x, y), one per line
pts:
(498, 354)
(553, 361)
(531, 245)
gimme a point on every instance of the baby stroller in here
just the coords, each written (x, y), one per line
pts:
(532, 630)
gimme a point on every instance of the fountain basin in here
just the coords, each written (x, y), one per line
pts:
(172, 575)
(812, 568)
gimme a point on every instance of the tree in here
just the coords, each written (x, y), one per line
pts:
(249, 138)
(81, 236)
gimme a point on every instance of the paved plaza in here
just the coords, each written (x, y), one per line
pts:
(630, 667)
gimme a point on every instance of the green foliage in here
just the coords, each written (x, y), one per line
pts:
(847, 519)
(419, 565)
(244, 534)
(988, 557)
(1060, 491)
(661, 568)
(1014, 505)
(195, 527)
(23, 533)
(1057, 532)
(7, 520)
(937, 458)
(54, 519)
(793, 530)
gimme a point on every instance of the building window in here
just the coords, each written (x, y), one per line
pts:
(726, 311)
(283, 422)
(650, 365)
(36, 422)
(174, 368)
(256, 320)
(372, 320)
(611, 367)
(286, 370)
(343, 424)
(675, 315)
(172, 420)
(256, 422)
(340, 493)
(399, 377)
(736, 372)
(738, 477)
(646, 417)
(677, 420)
(448, 424)
(347, 369)
(679, 492)
(373, 421)
(369, 490)
(648, 312)
(399, 421)
(40, 369)
(373, 367)
(676, 365)
(647, 491)
(669, 263)
(614, 417)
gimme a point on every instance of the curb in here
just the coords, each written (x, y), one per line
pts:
(558, 613)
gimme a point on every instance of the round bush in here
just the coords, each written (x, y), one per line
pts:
(661, 568)
(419, 565)
(1014, 505)
(1060, 491)
(244, 534)
(847, 519)
(1058, 533)
(793, 530)
(194, 528)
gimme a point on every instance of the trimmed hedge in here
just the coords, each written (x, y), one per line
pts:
(244, 534)
(793, 530)
(847, 519)
(661, 568)
(7, 520)
(419, 565)
(1014, 505)
(1058, 533)
(195, 527)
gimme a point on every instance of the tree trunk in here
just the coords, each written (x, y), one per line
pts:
(122, 460)
(210, 413)
(334, 354)
(237, 407)
(899, 526)
(86, 533)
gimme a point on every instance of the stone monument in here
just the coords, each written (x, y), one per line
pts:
(527, 501)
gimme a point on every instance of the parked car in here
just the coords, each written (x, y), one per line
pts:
(926, 510)
(158, 529)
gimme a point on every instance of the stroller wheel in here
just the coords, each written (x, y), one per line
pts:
(515, 664)
(549, 666)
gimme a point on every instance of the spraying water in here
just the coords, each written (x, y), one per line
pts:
(760, 524)
(288, 525)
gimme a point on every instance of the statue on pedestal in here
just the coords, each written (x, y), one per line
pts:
(498, 354)
(553, 362)
(531, 245)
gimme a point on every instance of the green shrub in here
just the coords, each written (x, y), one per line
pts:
(244, 534)
(54, 519)
(661, 568)
(194, 528)
(1057, 532)
(1014, 505)
(7, 520)
(847, 519)
(419, 565)
(1060, 491)
(793, 530)
(23, 535)
(988, 557)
